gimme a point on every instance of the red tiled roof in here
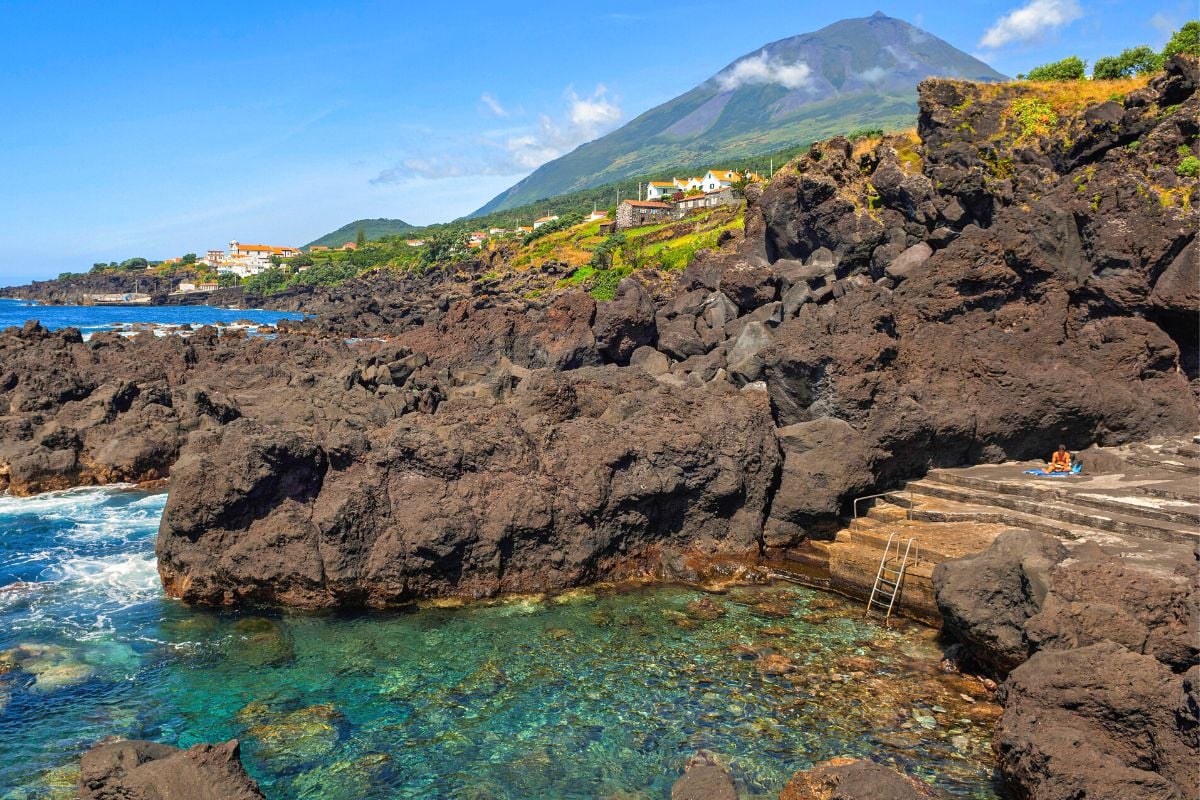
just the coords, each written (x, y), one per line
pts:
(646, 204)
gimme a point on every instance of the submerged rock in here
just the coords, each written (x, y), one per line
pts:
(854, 779)
(704, 778)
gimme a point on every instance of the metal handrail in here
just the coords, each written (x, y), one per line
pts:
(857, 500)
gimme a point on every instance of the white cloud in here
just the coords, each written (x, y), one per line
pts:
(587, 118)
(873, 75)
(593, 113)
(492, 104)
(1030, 22)
(762, 69)
(516, 149)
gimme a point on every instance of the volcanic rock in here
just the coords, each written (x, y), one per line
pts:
(573, 478)
(137, 770)
(1099, 722)
(853, 779)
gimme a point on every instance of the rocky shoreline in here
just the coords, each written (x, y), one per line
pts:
(966, 296)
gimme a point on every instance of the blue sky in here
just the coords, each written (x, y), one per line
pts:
(157, 128)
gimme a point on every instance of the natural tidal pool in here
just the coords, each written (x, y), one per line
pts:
(601, 693)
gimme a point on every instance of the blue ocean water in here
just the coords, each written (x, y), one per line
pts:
(90, 319)
(595, 694)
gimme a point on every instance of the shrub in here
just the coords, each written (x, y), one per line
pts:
(865, 133)
(602, 256)
(1070, 68)
(1188, 168)
(604, 283)
(1139, 60)
(1185, 40)
(1035, 116)
(268, 281)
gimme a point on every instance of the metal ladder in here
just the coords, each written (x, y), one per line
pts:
(888, 588)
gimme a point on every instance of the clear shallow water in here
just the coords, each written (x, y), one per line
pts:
(90, 319)
(592, 695)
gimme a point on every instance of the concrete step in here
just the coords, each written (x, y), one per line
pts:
(1168, 461)
(1051, 514)
(1178, 508)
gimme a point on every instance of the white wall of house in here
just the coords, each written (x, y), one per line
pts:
(657, 192)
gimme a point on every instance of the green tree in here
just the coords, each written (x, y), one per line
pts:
(188, 259)
(268, 281)
(444, 247)
(227, 280)
(1185, 40)
(1138, 60)
(1071, 68)
(134, 263)
(360, 236)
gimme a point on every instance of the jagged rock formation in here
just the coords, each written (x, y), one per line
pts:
(136, 770)
(969, 295)
(567, 480)
(1101, 655)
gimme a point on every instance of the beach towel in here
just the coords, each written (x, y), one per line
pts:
(1075, 470)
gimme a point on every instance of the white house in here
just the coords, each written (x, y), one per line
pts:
(250, 259)
(595, 215)
(715, 180)
(656, 190)
(540, 221)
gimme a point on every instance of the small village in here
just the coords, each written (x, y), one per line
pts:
(656, 202)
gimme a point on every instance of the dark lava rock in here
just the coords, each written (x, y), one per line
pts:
(573, 478)
(1099, 722)
(625, 323)
(1101, 700)
(986, 599)
(853, 779)
(137, 770)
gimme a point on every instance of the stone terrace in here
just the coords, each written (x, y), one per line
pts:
(1141, 502)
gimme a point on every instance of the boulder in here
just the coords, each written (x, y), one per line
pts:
(853, 779)
(1099, 722)
(625, 323)
(1094, 597)
(138, 770)
(749, 286)
(678, 338)
(704, 778)
(572, 478)
(650, 361)
(753, 338)
(903, 265)
(986, 599)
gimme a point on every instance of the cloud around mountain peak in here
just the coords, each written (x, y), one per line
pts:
(764, 69)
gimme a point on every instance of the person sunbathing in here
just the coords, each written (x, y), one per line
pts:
(1060, 461)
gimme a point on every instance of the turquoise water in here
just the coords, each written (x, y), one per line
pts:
(596, 694)
(90, 319)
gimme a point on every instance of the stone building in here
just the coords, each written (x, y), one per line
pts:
(636, 213)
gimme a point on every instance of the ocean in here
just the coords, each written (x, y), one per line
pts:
(90, 319)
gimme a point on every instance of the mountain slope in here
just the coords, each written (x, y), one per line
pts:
(375, 229)
(852, 74)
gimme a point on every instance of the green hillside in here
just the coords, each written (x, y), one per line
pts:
(375, 229)
(857, 73)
